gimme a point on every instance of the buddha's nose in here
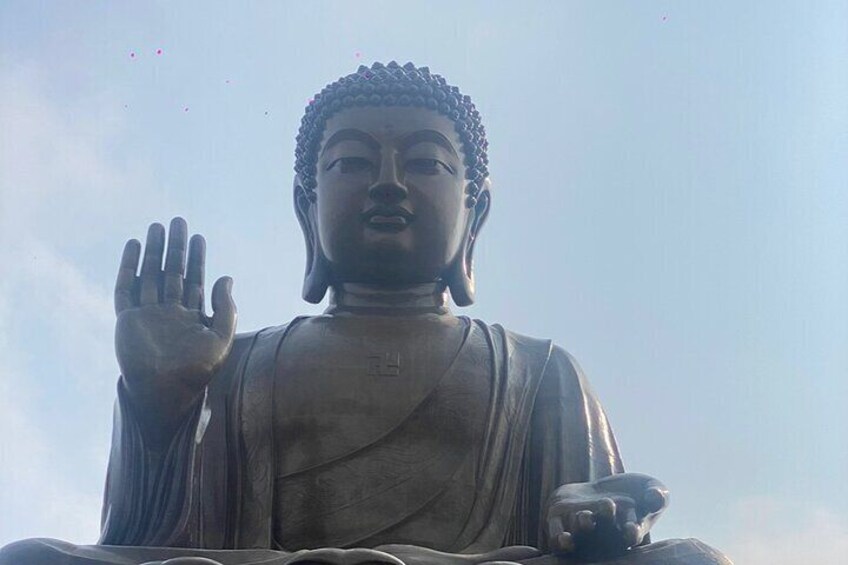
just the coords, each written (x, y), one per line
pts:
(388, 192)
(388, 189)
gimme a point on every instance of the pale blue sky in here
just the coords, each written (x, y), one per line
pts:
(670, 205)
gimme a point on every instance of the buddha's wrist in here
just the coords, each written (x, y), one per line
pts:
(160, 411)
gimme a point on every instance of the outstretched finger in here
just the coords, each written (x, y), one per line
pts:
(151, 268)
(125, 283)
(193, 295)
(175, 261)
(223, 307)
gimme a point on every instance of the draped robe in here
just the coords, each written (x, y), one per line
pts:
(217, 485)
(235, 486)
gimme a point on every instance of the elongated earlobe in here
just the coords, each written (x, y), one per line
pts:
(316, 279)
(460, 281)
(460, 276)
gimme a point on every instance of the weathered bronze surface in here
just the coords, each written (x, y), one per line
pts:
(386, 430)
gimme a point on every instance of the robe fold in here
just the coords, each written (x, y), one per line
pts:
(215, 485)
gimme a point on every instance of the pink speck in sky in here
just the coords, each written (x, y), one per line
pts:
(665, 18)
(158, 51)
(132, 55)
(358, 54)
(185, 109)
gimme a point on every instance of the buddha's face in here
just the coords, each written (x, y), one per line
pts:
(391, 202)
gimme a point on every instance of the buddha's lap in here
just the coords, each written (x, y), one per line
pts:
(41, 551)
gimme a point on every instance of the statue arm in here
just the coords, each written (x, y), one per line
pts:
(146, 483)
(153, 486)
(571, 436)
(570, 441)
(169, 351)
(575, 461)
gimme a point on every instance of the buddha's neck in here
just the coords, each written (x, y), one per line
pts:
(369, 300)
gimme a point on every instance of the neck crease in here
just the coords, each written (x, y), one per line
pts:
(363, 299)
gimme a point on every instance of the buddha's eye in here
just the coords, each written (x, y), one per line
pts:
(427, 167)
(351, 164)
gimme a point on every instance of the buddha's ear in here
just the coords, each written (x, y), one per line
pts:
(460, 277)
(316, 279)
(481, 209)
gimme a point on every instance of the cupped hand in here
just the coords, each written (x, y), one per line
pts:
(167, 348)
(604, 517)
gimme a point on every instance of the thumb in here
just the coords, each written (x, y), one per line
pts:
(223, 308)
(655, 499)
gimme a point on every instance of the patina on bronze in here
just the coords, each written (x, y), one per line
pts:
(386, 430)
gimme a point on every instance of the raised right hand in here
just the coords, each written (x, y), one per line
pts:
(167, 348)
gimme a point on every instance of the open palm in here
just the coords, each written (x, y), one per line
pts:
(167, 347)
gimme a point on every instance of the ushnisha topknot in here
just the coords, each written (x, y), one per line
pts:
(393, 85)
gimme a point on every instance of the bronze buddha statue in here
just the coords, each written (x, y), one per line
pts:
(387, 429)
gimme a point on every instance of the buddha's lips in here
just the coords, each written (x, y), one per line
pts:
(387, 218)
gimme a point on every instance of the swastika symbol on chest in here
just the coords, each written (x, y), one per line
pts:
(385, 365)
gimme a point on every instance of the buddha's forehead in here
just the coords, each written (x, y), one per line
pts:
(386, 123)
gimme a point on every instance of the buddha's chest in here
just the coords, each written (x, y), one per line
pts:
(372, 420)
(342, 383)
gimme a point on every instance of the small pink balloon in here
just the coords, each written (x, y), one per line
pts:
(158, 51)
(132, 55)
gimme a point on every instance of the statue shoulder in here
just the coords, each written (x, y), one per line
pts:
(561, 371)
(268, 334)
(243, 338)
(554, 354)
(257, 343)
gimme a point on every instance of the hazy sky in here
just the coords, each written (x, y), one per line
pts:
(670, 205)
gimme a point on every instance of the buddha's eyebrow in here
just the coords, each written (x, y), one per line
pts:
(428, 135)
(351, 134)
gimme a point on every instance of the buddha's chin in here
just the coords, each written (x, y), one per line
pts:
(390, 235)
(387, 258)
(389, 266)
(387, 247)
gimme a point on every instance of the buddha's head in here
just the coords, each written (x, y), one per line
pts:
(391, 185)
